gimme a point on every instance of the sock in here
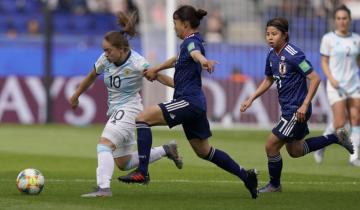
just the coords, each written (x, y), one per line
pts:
(355, 139)
(105, 167)
(315, 143)
(144, 141)
(275, 166)
(155, 154)
(224, 161)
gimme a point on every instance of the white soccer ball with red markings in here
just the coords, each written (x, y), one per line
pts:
(30, 181)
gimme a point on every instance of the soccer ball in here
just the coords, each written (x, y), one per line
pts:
(30, 181)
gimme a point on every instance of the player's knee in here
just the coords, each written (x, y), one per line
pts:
(295, 154)
(141, 117)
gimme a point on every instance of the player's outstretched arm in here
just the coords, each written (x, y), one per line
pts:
(206, 64)
(84, 85)
(263, 87)
(151, 73)
(165, 80)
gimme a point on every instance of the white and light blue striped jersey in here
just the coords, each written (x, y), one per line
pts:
(123, 82)
(342, 52)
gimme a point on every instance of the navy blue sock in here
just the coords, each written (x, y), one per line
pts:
(275, 167)
(144, 141)
(315, 143)
(225, 162)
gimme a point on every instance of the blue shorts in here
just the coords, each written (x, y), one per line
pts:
(288, 129)
(192, 118)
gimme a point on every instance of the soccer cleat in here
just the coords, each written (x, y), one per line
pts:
(355, 163)
(319, 155)
(251, 183)
(344, 140)
(135, 177)
(172, 153)
(99, 192)
(270, 188)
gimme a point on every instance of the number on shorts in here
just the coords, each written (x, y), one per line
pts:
(118, 115)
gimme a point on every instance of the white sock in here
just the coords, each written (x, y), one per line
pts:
(355, 139)
(156, 153)
(105, 167)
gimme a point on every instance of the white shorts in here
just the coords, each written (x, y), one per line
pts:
(335, 95)
(120, 130)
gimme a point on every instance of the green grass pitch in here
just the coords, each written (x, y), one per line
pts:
(67, 157)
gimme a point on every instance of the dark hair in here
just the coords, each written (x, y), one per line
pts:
(119, 38)
(281, 24)
(343, 8)
(190, 14)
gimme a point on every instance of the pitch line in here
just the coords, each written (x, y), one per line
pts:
(206, 181)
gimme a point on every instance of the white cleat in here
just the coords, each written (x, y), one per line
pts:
(99, 192)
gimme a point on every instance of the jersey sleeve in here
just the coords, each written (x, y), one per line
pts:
(100, 64)
(142, 64)
(301, 63)
(192, 45)
(268, 71)
(325, 46)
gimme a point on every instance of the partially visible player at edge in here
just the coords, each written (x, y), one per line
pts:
(286, 65)
(123, 73)
(340, 61)
(188, 107)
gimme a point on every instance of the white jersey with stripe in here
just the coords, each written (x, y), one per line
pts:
(123, 82)
(342, 53)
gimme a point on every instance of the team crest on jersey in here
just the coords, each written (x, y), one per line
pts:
(126, 72)
(282, 66)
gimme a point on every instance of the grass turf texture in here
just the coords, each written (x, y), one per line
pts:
(67, 158)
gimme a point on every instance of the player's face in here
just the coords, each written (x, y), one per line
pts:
(113, 54)
(179, 27)
(342, 21)
(274, 37)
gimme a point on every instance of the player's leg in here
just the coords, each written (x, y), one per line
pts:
(220, 158)
(299, 148)
(147, 118)
(354, 112)
(272, 148)
(104, 170)
(131, 161)
(197, 131)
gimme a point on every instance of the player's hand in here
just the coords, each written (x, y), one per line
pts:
(245, 105)
(74, 101)
(334, 83)
(150, 74)
(209, 65)
(301, 113)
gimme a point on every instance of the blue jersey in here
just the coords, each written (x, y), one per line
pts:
(187, 77)
(289, 69)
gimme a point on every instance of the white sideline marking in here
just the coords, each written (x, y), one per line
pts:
(207, 181)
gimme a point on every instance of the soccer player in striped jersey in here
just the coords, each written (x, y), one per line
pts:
(188, 107)
(340, 61)
(287, 66)
(123, 74)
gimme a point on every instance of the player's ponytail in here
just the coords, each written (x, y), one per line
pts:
(119, 39)
(127, 23)
(200, 13)
(190, 14)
